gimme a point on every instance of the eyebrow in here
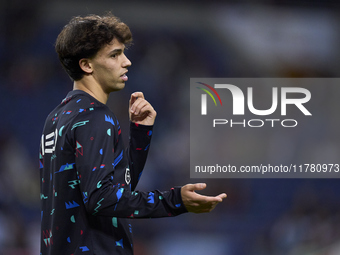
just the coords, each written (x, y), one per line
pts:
(115, 51)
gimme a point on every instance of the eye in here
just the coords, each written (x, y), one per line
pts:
(114, 55)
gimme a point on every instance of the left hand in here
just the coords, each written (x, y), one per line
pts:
(140, 110)
(197, 203)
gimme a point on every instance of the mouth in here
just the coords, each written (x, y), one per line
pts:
(124, 77)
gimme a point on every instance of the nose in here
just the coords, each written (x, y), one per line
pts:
(126, 62)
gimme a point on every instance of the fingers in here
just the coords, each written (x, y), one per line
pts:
(197, 203)
(140, 110)
(210, 199)
(222, 196)
(196, 186)
(201, 186)
(139, 106)
(134, 97)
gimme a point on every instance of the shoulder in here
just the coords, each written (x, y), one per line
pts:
(100, 115)
(81, 105)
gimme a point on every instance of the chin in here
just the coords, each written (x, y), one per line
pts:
(119, 87)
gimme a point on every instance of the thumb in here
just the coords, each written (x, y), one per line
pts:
(196, 186)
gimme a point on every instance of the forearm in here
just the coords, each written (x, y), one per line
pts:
(139, 144)
(119, 202)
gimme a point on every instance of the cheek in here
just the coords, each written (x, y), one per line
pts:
(114, 72)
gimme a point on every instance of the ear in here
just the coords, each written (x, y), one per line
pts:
(85, 65)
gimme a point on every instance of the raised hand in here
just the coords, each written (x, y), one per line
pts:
(140, 110)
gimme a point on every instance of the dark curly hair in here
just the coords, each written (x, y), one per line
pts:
(83, 37)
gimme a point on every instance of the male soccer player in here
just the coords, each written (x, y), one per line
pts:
(88, 179)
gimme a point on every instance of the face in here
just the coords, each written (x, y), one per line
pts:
(109, 67)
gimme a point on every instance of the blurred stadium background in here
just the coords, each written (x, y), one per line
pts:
(173, 41)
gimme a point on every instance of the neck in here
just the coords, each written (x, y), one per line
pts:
(92, 88)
